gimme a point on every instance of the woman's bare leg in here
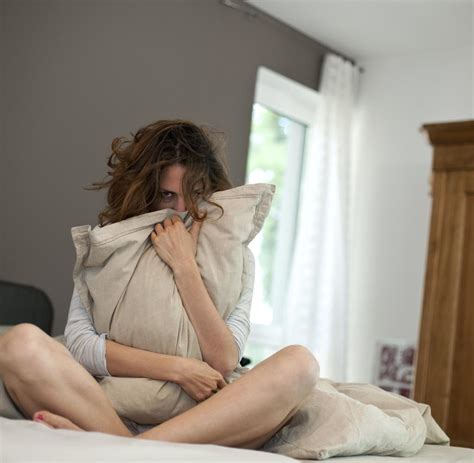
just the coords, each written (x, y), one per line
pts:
(245, 413)
(41, 374)
(249, 411)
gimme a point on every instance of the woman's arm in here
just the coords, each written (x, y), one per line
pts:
(102, 357)
(215, 338)
(122, 359)
(82, 340)
(177, 247)
(239, 319)
(137, 363)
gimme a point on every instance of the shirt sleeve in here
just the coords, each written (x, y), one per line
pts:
(239, 319)
(82, 340)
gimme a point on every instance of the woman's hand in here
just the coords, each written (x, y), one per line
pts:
(199, 380)
(173, 243)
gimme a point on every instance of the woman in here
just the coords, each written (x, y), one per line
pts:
(168, 164)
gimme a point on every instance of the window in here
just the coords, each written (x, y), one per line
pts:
(282, 111)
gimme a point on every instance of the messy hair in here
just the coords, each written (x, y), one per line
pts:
(136, 164)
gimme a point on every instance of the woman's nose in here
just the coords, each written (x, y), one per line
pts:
(180, 205)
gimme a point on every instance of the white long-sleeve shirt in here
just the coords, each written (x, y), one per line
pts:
(88, 347)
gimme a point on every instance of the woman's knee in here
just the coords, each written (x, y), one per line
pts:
(24, 347)
(300, 369)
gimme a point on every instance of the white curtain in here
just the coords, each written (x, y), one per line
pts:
(316, 309)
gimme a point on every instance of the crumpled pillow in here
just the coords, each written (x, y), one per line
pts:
(345, 419)
(131, 293)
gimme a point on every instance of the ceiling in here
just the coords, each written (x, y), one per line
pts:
(364, 29)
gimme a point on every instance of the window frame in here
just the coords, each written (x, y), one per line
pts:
(286, 97)
(299, 103)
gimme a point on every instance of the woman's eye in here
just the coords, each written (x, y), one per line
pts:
(166, 195)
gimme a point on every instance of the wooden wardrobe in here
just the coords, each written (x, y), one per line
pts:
(445, 359)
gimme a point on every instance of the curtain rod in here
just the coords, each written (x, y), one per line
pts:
(254, 13)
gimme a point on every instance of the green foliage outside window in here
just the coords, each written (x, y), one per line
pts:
(267, 161)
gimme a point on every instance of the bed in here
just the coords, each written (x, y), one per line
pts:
(28, 441)
(45, 444)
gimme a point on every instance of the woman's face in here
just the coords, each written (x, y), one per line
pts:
(170, 188)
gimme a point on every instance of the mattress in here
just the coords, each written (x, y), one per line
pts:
(28, 441)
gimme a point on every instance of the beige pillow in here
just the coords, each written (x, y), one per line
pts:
(132, 295)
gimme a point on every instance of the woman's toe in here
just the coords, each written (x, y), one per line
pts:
(39, 418)
(54, 421)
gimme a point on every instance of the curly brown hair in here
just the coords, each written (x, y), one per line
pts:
(136, 165)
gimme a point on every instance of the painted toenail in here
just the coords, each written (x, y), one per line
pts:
(39, 417)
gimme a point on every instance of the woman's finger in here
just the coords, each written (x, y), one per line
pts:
(221, 383)
(158, 229)
(175, 218)
(167, 222)
(195, 229)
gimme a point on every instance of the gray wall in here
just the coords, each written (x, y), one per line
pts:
(78, 73)
(3, 167)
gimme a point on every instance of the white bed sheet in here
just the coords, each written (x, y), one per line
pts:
(428, 454)
(27, 441)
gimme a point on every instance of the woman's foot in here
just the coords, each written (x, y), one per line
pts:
(54, 421)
